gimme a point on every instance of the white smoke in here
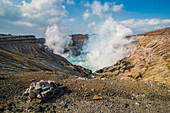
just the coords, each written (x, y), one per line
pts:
(58, 41)
(106, 47)
(101, 50)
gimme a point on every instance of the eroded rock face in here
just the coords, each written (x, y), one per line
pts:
(78, 42)
(42, 90)
(148, 59)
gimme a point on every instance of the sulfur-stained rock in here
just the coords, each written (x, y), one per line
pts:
(92, 89)
(39, 101)
(96, 97)
(137, 75)
(148, 58)
(103, 78)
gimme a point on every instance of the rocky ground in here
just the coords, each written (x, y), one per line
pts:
(76, 94)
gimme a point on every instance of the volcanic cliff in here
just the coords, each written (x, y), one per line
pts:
(27, 53)
(149, 58)
(78, 42)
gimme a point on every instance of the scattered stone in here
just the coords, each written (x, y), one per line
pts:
(126, 105)
(39, 101)
(65, 81)
(42, 90)
(63, 104)
(133, 94)
(39, 96)
(103, 78)
(92, 89)
(96, 97)
(91, 77)
(137, 103)
(81, 78)
(141, 96)
(67, 109)
(136, 96)
(149, 105)
(86, 94)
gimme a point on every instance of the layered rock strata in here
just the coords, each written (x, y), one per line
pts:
(27, 53)
(149, 58)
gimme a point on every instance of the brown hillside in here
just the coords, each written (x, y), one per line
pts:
(149, 59)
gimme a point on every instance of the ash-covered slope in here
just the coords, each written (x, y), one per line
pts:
(149, 59)
(27, 53)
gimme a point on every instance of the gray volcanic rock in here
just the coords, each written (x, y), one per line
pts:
(42, 90)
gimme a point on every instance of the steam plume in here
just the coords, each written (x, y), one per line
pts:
(105, 48)
(58, 41)
(99, 51)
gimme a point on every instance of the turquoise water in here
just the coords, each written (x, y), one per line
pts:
(82, 61)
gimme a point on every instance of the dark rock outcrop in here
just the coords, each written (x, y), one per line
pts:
(78, 41)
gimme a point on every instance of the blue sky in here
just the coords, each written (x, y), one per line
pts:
(81, 16)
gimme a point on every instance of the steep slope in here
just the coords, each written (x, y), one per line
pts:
(26, 53)
(149, 58)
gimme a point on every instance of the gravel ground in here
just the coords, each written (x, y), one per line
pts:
(78, 95)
